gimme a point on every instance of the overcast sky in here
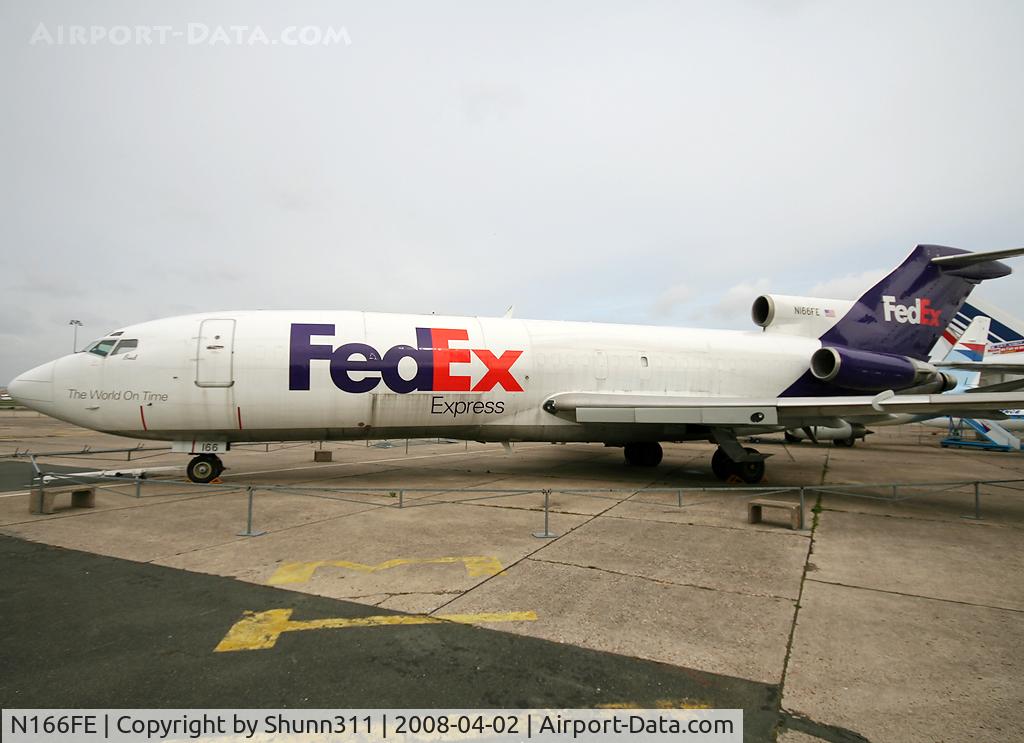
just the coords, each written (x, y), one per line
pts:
(630, 162)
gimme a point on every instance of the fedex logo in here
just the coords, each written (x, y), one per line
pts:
(432, 360)
(919, 313)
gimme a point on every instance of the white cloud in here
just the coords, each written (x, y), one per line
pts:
(850, 286)
(670, 300)
(737, 299)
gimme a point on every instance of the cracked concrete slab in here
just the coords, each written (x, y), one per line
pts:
(950, 561)
(738, 635)
(417, 603)
(416, 534)
(146, 531)
(756, 563)
(726, 509)
(906, 669)
(628, 602)
(998, 505)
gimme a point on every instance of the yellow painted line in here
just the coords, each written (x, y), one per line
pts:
(684, 703)
(259, 630)
(302, 572)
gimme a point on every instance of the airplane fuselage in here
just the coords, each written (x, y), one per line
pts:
(304, 375)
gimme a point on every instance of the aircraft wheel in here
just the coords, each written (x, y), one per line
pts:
(643, 454)
(721, 465)
(750, 472)
(791, 439)
(204, 468)
(846, 442)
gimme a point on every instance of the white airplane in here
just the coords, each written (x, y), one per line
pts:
(204, 381)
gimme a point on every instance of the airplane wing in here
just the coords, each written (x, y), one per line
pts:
(981, 366)
(791, 412)
(1013, 384)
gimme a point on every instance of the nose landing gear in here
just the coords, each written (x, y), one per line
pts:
(204, 468)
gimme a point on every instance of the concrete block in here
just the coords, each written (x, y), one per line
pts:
(42, 500)
(756, 507)
(323, 455)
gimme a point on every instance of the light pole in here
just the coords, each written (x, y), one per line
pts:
(76, 324)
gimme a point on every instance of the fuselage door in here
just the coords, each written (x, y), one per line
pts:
(215, 356)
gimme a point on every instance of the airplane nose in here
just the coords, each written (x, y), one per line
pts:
(34, 386)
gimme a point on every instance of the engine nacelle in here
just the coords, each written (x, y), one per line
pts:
(805, 316)
(868, 371)
(845, 431)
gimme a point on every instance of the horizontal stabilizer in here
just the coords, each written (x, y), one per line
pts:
(963, 260)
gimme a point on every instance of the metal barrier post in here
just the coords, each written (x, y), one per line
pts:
(801, 508)
(401, 499)
(679, 498)
(42, 487)
(977, 502)
(35, 464)
(248, 524)
(138, 486)
(546, 534)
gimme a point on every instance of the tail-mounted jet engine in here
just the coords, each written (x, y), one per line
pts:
(806, 316)
(869, 371)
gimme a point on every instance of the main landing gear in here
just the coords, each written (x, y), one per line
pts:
(732, 460)
(751, 471)
(204, 468)
(643, 453)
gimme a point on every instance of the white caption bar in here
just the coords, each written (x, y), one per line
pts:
(343, 726)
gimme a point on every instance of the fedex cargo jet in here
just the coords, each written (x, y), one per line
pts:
(205, 381)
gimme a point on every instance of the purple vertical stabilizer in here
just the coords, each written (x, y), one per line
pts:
(905, 313)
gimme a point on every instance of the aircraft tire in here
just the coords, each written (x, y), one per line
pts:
(204, 468)
(750, 472)
(721, 465)
(643, 453)
(791, 439)
(846, 442)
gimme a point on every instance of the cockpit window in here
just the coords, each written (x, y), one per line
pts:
(102, 347)
(128, 344)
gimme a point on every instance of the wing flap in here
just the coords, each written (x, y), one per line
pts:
(688, 414)
(792, 412)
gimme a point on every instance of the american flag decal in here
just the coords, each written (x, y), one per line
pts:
(830, 313)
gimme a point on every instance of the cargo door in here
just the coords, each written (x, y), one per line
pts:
(215, 357)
